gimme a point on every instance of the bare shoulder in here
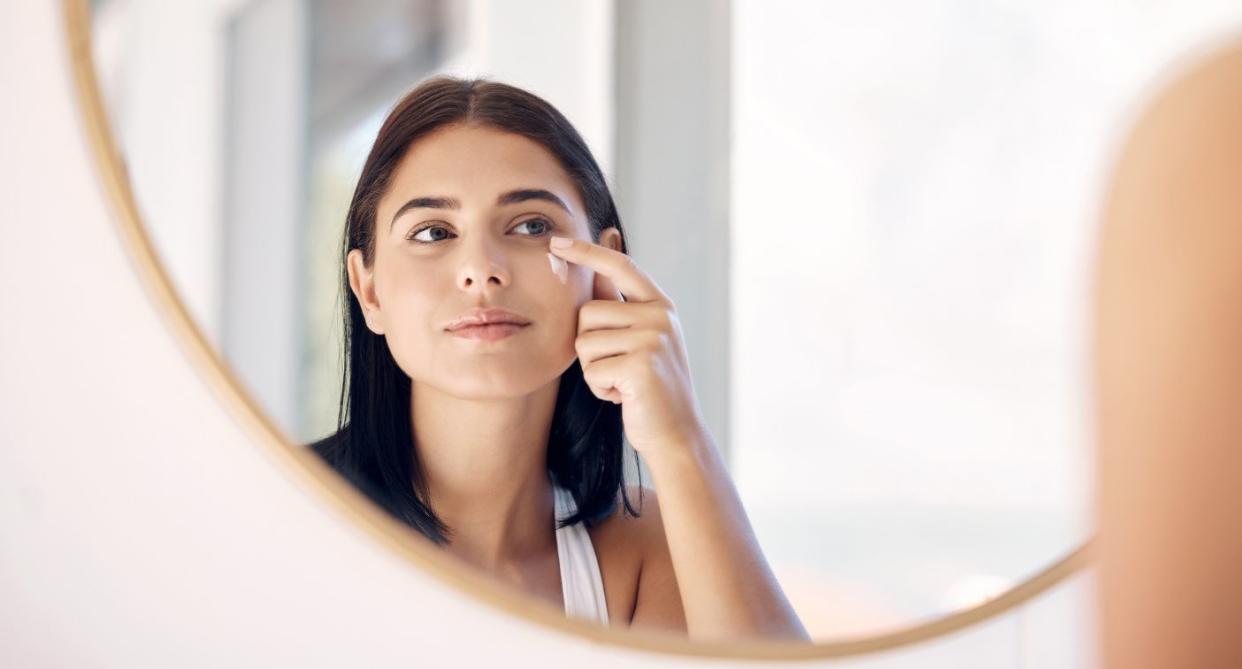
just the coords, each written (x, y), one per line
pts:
(655, 601)
(630, 534)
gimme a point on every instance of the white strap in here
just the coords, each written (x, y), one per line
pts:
(581, 584)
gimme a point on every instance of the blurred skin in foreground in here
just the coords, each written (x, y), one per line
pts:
(1168, 344)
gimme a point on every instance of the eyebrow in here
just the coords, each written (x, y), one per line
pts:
(511, 197)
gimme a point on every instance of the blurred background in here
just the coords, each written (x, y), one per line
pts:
(875, 220)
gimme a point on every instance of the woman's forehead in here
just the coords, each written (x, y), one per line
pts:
(476, 165)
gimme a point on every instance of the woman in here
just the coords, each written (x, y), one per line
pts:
(502, 442)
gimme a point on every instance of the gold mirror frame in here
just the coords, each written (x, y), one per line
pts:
(421, 554)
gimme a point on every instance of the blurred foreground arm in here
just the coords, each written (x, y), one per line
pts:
(1169, 381)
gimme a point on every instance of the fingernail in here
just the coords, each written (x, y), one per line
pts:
(561, 242)
(560, 267)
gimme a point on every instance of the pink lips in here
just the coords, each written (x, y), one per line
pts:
(480, 316)
(492, 332)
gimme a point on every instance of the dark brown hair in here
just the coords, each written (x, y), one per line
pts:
(373, 445)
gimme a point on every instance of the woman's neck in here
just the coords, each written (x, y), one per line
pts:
(484, 464)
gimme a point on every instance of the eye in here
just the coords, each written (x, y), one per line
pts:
(423, 229)
(544, 226)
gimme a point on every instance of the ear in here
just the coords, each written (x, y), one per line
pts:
(610, 238)
(603, 288)
(362, 283)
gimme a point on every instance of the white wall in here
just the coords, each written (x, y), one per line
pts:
(566, 60)
(140, 525)
(916, 189)
(164, 66)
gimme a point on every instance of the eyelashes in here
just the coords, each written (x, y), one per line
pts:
(548, 228)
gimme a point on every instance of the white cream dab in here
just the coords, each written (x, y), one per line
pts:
(560, 267)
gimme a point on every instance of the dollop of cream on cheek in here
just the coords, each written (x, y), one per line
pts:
(560, 267)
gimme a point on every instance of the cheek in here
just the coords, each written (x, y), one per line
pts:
(574, 278)
(579, 284)
(409, 296)
(560, 314)
(559, 306)
(411, 307)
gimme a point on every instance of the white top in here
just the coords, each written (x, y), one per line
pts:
(581, 584)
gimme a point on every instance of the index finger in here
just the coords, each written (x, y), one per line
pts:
(632, 281)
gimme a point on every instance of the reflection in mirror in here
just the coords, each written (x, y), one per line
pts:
(873, 222)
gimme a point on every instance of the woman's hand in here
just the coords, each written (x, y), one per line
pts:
(632, 354)
(631, 350)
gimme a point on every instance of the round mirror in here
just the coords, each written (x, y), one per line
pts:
(874, 224)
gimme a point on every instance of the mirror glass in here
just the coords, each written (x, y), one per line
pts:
(875, 219)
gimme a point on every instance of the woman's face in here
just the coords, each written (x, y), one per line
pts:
(473, 244)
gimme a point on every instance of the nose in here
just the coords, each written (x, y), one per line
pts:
(480, 266)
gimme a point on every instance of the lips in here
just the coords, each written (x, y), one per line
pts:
(492, 316)
(492, 332)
